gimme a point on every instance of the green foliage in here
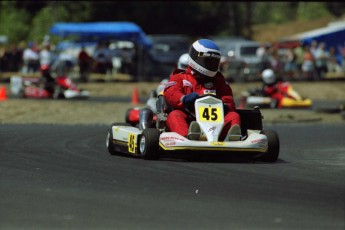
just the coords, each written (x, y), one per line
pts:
(13, 22)
(312, 10)
(44, 19)
(273, 12)
(194, 18)
(19, 25)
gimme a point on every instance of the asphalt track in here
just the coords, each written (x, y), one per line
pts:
(62, 177)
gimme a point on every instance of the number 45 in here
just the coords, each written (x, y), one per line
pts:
(210, 114)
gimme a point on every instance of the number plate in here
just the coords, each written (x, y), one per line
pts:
(210, 114)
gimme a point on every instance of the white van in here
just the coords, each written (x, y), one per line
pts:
(242, 55)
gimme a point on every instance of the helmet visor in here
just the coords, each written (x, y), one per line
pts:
(208, 60)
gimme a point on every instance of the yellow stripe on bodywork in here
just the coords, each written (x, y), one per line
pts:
(213, 148)
(124, 143)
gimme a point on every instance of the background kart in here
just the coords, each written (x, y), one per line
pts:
(290, 98)
(149, 140)
(30, 88)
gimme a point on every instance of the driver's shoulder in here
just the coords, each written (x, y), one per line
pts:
(178, 71)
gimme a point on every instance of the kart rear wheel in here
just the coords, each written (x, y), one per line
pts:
(149, 144)
(109, 140)
(273, 146)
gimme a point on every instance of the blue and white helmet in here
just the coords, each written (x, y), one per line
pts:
(204, 57)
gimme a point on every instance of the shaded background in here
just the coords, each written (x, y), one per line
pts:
(30, 20)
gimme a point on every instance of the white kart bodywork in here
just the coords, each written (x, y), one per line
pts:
(73, 94)
(210, 116)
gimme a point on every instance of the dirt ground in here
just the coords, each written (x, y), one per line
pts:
(100, 110)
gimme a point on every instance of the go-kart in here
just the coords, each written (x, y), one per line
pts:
(290, 98)
(150, 140)
(31, 88)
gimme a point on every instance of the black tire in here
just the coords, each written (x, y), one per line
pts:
(149, 144)
(273, 146)
(109, 139)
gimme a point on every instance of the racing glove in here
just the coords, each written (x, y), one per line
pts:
(190, 98)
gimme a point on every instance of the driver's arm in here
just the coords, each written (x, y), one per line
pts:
(174, 92)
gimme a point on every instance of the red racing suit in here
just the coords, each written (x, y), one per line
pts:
(184, 82)
(277, 91)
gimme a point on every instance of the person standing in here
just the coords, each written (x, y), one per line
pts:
(321, 58)
(31, 59)
(103, 58)
(45, 55)
(84, 62)
(263, 54)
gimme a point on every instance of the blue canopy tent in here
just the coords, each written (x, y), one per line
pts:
(98, 31)
(332, 35)
(91, 31)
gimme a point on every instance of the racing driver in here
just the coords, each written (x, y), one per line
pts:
(200, 77)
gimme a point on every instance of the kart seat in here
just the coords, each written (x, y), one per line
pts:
(163, 109)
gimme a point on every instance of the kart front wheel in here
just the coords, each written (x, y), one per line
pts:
(110, 144)
(149, 144)
(109, 140)
(273, 146)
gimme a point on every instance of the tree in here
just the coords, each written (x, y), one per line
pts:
(23, 20)
(312, 10)
(13, 22)
(57, 12)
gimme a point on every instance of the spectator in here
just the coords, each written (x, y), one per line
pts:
(127, 55)
(308, 66)
(103, 59)
(321, 56)
(276, 63)
(299, 59)
(313, 47)
(46, 55)
(84, 62)
(263, 55)
(290, 63)
(5, 59)
(332, 64)
(339, 55)
(64, 63)
(31, 59)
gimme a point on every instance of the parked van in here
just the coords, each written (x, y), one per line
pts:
(240, 53)
(164, 54)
